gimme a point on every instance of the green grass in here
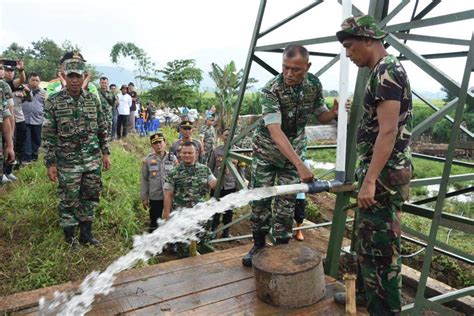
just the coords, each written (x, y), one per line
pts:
(33, 253)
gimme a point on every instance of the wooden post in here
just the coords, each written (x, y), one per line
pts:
(351, 308)
(193, 249)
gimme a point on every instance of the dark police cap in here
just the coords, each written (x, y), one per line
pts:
(186, 124)
(9, 64)
(157, 137)
(72, 55)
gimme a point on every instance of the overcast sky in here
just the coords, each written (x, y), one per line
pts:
(211, 30)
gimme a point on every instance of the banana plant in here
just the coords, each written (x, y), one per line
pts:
(228, 81)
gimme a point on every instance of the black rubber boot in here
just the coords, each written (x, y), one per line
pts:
(361, 299)
(258, 243)
(70, 235)
(281, 241)
(85, 236)
(225, 233)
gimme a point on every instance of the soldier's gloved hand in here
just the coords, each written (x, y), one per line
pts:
(53, 173)
(306, 175)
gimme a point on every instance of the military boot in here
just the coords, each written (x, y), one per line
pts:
(69, 235)
(85, 236)
(258, 243)
(282, 241)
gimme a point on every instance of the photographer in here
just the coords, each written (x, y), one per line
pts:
(20, 93)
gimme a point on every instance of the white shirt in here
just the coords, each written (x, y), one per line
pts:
(125, 102)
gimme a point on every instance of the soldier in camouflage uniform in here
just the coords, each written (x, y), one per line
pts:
(208, 136)
(108, 101)
(75, 142)
(187, 184)
(6, 131)
(288, 101)
(384, 164)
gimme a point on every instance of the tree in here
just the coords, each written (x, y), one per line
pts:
(42, 57)
(449, 96)
(333, 93)
(139, 56)
(178, 84)
(251, 104)
(228, 81)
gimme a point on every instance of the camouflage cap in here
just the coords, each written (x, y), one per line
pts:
(360, 26)
(157, 137)
(72, 55)
(74, 66)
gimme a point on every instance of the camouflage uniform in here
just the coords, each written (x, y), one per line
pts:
(378, 231)
(209, 135)
(290, 106)
(189, 184)
(108, 100)
(6, 99)
(245, 142)
(378, 227)
(176, 148)
(75, 138)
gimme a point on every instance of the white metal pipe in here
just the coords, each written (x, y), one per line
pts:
(343, 96)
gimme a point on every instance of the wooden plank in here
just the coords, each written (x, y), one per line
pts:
(25, 300)
(171, 286)
(199, 299)
(167, 279)
(208, 297)
(249, 304)
(181, 264)
(28, 299)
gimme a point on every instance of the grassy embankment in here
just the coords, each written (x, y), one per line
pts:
(32, 251)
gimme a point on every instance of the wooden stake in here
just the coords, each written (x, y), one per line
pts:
(193, 249)
(351, 308)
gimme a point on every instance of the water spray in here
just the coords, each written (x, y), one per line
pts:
(183, 226)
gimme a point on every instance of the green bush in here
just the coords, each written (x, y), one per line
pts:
(312, 212)
(442, 131)
(420, 114)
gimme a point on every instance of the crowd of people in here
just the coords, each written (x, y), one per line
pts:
(77, 122)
